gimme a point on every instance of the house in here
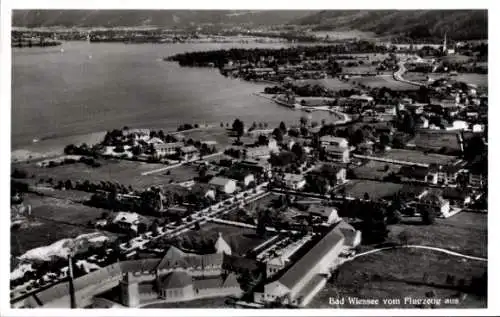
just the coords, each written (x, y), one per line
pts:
(127, 220)
(448, 174)
(329, 214)
(224, 185)
(457, 197)
(256, 167)
(294, 181)
(478, 173)
(422, 122)
(164, 149)
(419, 174)
(386, 109)
(437, 202)
(203, 190)
(336, 148)
(331, 170)
(244, 178)
(188, 152)
(352, 237)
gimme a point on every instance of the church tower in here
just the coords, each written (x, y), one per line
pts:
(129, 291)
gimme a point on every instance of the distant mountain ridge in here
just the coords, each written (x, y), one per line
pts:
(161, 18)
(458, 24)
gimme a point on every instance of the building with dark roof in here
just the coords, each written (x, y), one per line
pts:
(303, 279)
(178, 276)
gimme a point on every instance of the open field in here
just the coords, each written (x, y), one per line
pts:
(418, 157)
(40, 233)
(383, 81)
(334, 84)
(123, 172)
(51, 220)
(481, 80)
(218, 134)
(376, 190)
(435, 140)
(241, 240)
(396, 274)
(375, 170)
(464, 232)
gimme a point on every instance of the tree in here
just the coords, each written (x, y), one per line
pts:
(403, 237)
(282, 127)
(119, 149)
(238, 128)
(428, 215)
(278, 135)
(384, 140)
(141, 228)
(298, 150)
(262, 140)
(366, 196)
(303, 121)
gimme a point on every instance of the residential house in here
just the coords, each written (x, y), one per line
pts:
(386, 109)
(256, 167)
(203, 190)
(418, 174)
(243, 177)
(188, 152)
(328, 214)
(448, 174)
(164, 149)
(294, 181)
(457, 196)
(224, 185)
(127, 220)
(437, 202)
(337, 149)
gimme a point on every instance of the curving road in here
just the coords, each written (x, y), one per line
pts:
(464, 256)
(398, 75)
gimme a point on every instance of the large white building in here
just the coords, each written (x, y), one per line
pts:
(224, 185)
(336, 148)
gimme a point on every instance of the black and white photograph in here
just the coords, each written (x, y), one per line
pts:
(247, 159)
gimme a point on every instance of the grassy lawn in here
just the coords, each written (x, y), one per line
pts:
(330, 83)
(375, 170)
(376, 190)
(396, 274)
(418, 156)
(220, 135)
(383, 81)
(123, 172)
(41, 233)
(481, 80)
(241, 240)
(464, 232)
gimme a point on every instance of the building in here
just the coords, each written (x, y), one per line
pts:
(164, 149)
(457, 197)
(221, 246)
(224, 185)
(448, 174)
(256, 167)
(418, 174)
(294, 181)
(386, 109)
(337, 149)
(436, 201)
(203, 190)
(301, 281)
(127, 220)
(189, 152)
(328, 214)
(178, 276)
(244, 178)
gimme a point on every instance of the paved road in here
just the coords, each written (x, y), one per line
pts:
(464, 256)
(179, 164)
(398, 75)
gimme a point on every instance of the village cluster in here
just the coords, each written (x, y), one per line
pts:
(265, 216)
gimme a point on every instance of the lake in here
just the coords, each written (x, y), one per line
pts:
(80, 88)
